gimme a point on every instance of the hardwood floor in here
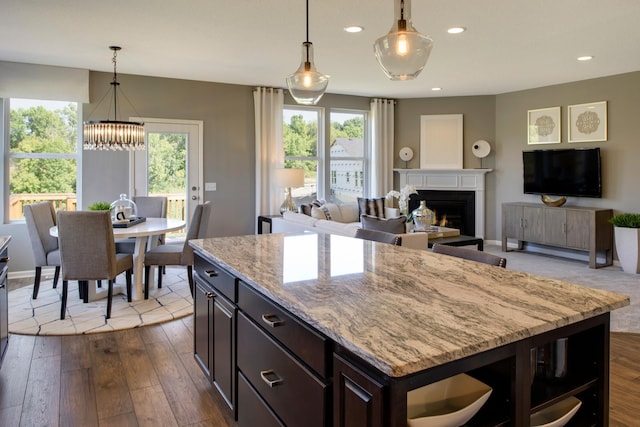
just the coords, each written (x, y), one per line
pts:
(148, 377)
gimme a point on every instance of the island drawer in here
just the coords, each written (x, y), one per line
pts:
(308, 345)
(253, 411)
(216, 277)
(294, 393)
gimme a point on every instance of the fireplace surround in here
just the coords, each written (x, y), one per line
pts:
(446, 181)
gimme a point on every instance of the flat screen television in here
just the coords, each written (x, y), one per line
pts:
(564, 172)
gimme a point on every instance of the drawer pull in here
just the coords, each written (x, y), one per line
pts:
(5, 259)
(270, 382)
(272, 320)
(209, 295)
(211, 273)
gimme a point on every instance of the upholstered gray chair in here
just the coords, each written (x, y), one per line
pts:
(178, 254)
(88, 252)
(379, 236)
(40, 217)
(148, 207)
(471, 254)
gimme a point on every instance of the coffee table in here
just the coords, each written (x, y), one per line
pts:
(460, 240)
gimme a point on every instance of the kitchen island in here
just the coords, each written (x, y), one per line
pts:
(329, 330)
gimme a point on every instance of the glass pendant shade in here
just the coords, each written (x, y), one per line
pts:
(403, 52)
(307, 85)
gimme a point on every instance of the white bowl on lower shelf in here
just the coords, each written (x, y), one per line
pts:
(557, 414)
(447, 403)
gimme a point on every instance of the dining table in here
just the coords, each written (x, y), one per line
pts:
(141, 232)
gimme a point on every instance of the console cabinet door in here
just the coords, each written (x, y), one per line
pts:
(512, 221)
(533, 224)
(358, 400)
(555, 226)
(579, 229)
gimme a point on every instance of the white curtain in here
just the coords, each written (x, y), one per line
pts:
(268, 104)
(382, 130)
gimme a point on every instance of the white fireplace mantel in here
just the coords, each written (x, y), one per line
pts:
(450, 180)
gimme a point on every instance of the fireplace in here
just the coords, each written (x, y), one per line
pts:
(454, 209)
(451, 181)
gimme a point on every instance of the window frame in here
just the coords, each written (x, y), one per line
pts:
(5, 135)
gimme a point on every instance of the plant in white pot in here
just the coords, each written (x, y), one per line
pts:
(626, 227)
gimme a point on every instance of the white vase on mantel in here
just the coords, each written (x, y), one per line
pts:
(628, 248)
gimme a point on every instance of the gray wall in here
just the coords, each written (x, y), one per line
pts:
(620, 153)
(227, 112)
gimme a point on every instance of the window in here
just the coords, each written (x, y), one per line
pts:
(347, 155)
(43, 153)
(303, 146)
(345, 150)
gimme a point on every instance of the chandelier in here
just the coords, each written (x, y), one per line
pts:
(403, 52)
(113, 134)
(307, 85)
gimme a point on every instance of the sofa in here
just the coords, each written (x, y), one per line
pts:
(342, 219)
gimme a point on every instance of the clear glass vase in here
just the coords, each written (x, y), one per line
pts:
(422, 217)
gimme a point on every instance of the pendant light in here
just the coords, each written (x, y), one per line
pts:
(113, 134)
(403, 52)
(307, 85)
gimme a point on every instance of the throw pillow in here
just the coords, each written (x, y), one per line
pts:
(318, 213)
(394, 225)
(373, 207)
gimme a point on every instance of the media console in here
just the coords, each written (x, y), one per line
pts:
(571, 227)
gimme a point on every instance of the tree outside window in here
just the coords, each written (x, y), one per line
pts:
(43, 154)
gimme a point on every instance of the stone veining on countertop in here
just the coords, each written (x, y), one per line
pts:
(402, 310)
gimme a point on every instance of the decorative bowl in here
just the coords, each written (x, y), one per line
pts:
(447, 403)
(557, 414)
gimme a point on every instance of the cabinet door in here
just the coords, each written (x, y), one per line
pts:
(555, 226)
(533, 224)
(202, 325)
(512, 221)
(358, 399)
(223, 360)
(579, 229)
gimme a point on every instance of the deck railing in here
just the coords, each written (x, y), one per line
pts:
(176, 203)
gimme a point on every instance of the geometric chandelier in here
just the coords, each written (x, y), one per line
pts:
(113, 134)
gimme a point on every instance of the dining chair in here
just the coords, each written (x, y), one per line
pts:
(148, 207)
(88, 252)
(471, 254)
(40, 217)
(378, 236)
(178, 254)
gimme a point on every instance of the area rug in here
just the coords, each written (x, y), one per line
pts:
(42, 315)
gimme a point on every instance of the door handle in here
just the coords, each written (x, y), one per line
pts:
(194, 197)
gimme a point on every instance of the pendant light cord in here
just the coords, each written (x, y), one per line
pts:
(115, 81)
(307, 45)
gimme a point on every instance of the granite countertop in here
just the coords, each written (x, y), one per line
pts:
(4, 241)
(402, 310)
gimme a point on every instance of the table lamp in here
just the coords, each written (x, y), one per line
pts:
(288, 178)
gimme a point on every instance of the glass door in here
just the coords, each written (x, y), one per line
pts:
(171, 166)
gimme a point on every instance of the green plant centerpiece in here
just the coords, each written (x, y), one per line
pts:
(626, 228)
(99, 206)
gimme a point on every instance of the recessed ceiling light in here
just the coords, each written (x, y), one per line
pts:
(354, 29)
(456, 30)
(585, 58)
(435, 89)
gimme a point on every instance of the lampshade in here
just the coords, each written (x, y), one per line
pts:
(403, 52)
(113, 134)
(289, 177)
(307, 85)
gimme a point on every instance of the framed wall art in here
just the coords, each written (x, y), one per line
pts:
(588, 122)
(441, 141)
(543, 126)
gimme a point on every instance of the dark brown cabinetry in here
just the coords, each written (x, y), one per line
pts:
(573, 227)
(214, 327)
(4, 309)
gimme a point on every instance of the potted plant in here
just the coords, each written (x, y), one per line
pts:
(626, 228)
(99, 206)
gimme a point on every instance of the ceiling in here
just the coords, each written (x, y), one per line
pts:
(509, 45)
